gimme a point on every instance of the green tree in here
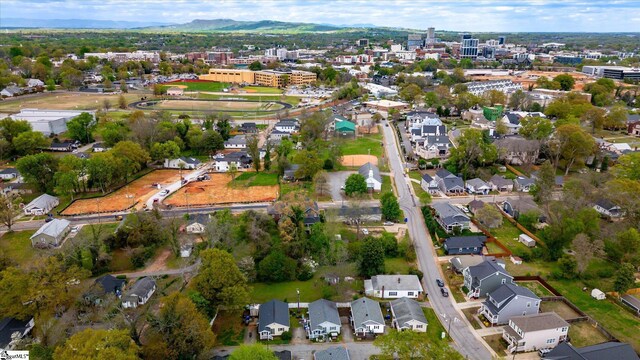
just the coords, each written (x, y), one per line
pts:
(255, 66)
(545, 183)
(489, 216)
(277, 267)
(267, 156)
(10, 129)
(518, 100)
(536, 128)
(212, 141)
(495, 97)
(253, 150)
(390, 207)
(572, 144)
(51, 85)
(223, 126)
(122, 102)
(113, 132)
(132, 156)
(566, 81)
(252, 352)
(473, 151)
(30, 142)
(220, 281)
(616, 118)
(166, 150)
(568, 267)
(81, 127)
(595, 118)
(9, 209)
(355, 184)
(98, 344)
(628, 166)
(371, 259)
(39, 169)
(411, 93)
(310, 163)
(625, 279)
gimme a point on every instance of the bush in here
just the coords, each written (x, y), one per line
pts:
(406, 249)
(305, 272)
(390, 245)
(328, 164)
(417, 272)
(286, 336)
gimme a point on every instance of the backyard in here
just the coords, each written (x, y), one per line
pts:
(251, 178)
(584, 334)
(508, 234)
(17, 247)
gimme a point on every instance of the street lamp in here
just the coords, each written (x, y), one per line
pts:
(298, 292)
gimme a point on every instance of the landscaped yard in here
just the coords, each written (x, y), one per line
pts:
(364, 145)
(584, 334)
(17, 247)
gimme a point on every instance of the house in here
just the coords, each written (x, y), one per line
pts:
(236, 142)
(371, 175)
(248, 128)
(361, 214)
(345, 127)
(48, 121)
(182, 163)
(461, 262)
(482, 279)
(273, 319)
(10, 91)
(366, 317)
(464, 245)
(290, 173)
(99, 147)
(512, 122)
(186, 250)
(51, 233)
(607, 208)
(63, 146)
(450, 217)
(534, 332)
(283, 355)
(507, 301)
(449, 183)
(278, 135)
(518, 206)
(311, 211)
(34, 83)
(527, 240)
(41, 205)
(12, 330)
(406, 314)
(631, 301)
(175, 91)
(524, 184)
(109, 284)
(419, 118)
(393, 286)
(598, 294)
(517, 150)
(634, 128)
(287, 125)
(332, 353)
(500, 183)
(429, 184)
(239, 160)
(475, 205)
(421, 132)
(433, 147)
(324, 320)
(477, 186)
(139, 293)
(197, 223)
(9, 174)
(608, 350)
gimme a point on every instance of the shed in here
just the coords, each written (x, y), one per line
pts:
(527, 240)
(598, 294)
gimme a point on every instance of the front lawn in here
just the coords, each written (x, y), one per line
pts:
(364, 145)
(386, 187)
(17, 247)
(251, 178)
(435, 328)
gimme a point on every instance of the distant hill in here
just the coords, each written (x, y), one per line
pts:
(229, 25)
(75, 23)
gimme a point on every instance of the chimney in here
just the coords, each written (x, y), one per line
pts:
(398, 280)
(383, 291)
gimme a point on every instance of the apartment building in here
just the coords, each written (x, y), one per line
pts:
(274, 78)
(139, 55)
(469, 47)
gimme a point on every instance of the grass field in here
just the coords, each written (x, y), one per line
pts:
(216, 105)
(536, 287)
(199, 86)
(396, 266)
(17, 247)
(506, 234)
(64, 101)
(584, 334)
(386, 186)
(255, 179)
(293, 100)
(262, 90)
(435, 328)
(366, 145)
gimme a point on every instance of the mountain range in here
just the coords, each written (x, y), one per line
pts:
(74, 23)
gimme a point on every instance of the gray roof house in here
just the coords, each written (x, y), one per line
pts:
(477, 186)
(450, 217)
(482, 279)
(197, 223)
(461, 262)
(631, 301)
(273, 319)
(236, 142)
(182, 162)
(607, 208)
(500, 183)
(13, 329)
(51, 233)
(332, 353)
(139, 293)
(464, 245)
(536, 331)
(518, 151)
(408, 315)
(608, 350)
(371, 174)
(366, 317)
(324, 319)
(475, 205)
(523, 183)
(393, 286)
(507, 301)
(515, 207)
(110, 284)
(41, 205)
(9, 173)
(429, 184)
(449, 183)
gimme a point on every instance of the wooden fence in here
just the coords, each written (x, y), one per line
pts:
(520, 227)
(491, 239)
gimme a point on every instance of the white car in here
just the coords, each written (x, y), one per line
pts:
(388, 223)
(365, 231)
(164, 192)
(74, 229)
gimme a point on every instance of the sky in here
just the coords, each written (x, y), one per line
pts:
(453, 15)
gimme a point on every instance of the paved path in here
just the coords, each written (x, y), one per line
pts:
(467, 341)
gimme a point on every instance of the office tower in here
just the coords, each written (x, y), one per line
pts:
(468, 47)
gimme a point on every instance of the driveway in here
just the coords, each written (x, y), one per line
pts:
(336, 181)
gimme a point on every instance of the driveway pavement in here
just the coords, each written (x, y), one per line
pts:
(336, 181)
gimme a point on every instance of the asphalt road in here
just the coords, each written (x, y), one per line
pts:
(466, 340)
(357, 350)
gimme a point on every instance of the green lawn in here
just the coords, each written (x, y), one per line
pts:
(536, 287)
(200, 86)
(251, 178)
(370, 144)
(506, 235)
(262, 89)
(435, 328)
(396, 266)
(17, 246)
(584, 334)
(293, 100)
(120, 261)
(386, 187)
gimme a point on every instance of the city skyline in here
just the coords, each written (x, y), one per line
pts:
(479, 16)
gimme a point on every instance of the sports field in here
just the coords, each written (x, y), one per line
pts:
(137, 191)
(63, 101)
(225, 105)
(198, 85)
(217, 190)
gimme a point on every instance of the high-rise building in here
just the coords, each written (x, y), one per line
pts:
(362, 42)
(502, 40)
(468, 47)
(414, 41)
(431, 36)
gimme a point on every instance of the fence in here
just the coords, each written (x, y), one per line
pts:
(542, 281)
(491, 239)
(520, 227)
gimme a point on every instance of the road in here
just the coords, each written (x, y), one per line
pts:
(357, 350)
(466, 340)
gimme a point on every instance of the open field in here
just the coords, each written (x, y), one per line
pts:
(217, 191)
(251, 178)
(215, 105)
(366, 145)
(198, 85)
(17, 247)
(63, 101)
(358, 160)
(560, 308)
(584, 334)
(261, 90)
(120, 200)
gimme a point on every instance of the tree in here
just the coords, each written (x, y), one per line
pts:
(81, 127)
(122, 102)
(321, 183)
(390, 207)
(411, 93)
(9, 209)
(252, 352)
(625, 279)
(517, 100)
(224, 128)
(595, 118)
(572, 144)
(106, 105)
(166, 150)
(255, 66)
(545, 183)
(585, 250)
(536, 128)
(220, 281)
(51, 85)
(277, 267)
(98, 344)
(495, 97)
(310, 163)
(355, 184)
(489, 216)
(566, 81)
(253, 150)
(219, 229)
(501, 128)
(616, 118)
(212, 141)
(39, 169)
(628, 166)
(267, 156)
(10, 129)
(473, 150)
(371, 259)
(183, 328)
(132, 156)
(29, 142)
(407, 345)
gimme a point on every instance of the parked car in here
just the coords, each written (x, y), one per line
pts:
(388, 223)
(440, 282)
(365, 231)
(164, 192)
(74, 229)
(49, 219)
(444, 292)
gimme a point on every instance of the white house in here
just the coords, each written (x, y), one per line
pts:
(35, 83)
(99, 147)
(139, 293)
(182, 162)
(287, 126)
(273, 319)
(239, 160)
(408, 315)
(535, 332)
(371, 174)
(607, 208)
(366, 317)
(324, 320)
(429, 184)
(236, 142)
(477, 186)
(41, 205)
(393, 286)
(51, 233)
(598, 294)
(9, 174)
(197, 223)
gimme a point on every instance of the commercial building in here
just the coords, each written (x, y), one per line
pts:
(613, 72)
(469, 47)
(274, 78)
(139, 55)
(414, 41)
(478, 88)
(49, 121)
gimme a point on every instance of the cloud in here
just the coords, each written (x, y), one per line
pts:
(462, 15)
